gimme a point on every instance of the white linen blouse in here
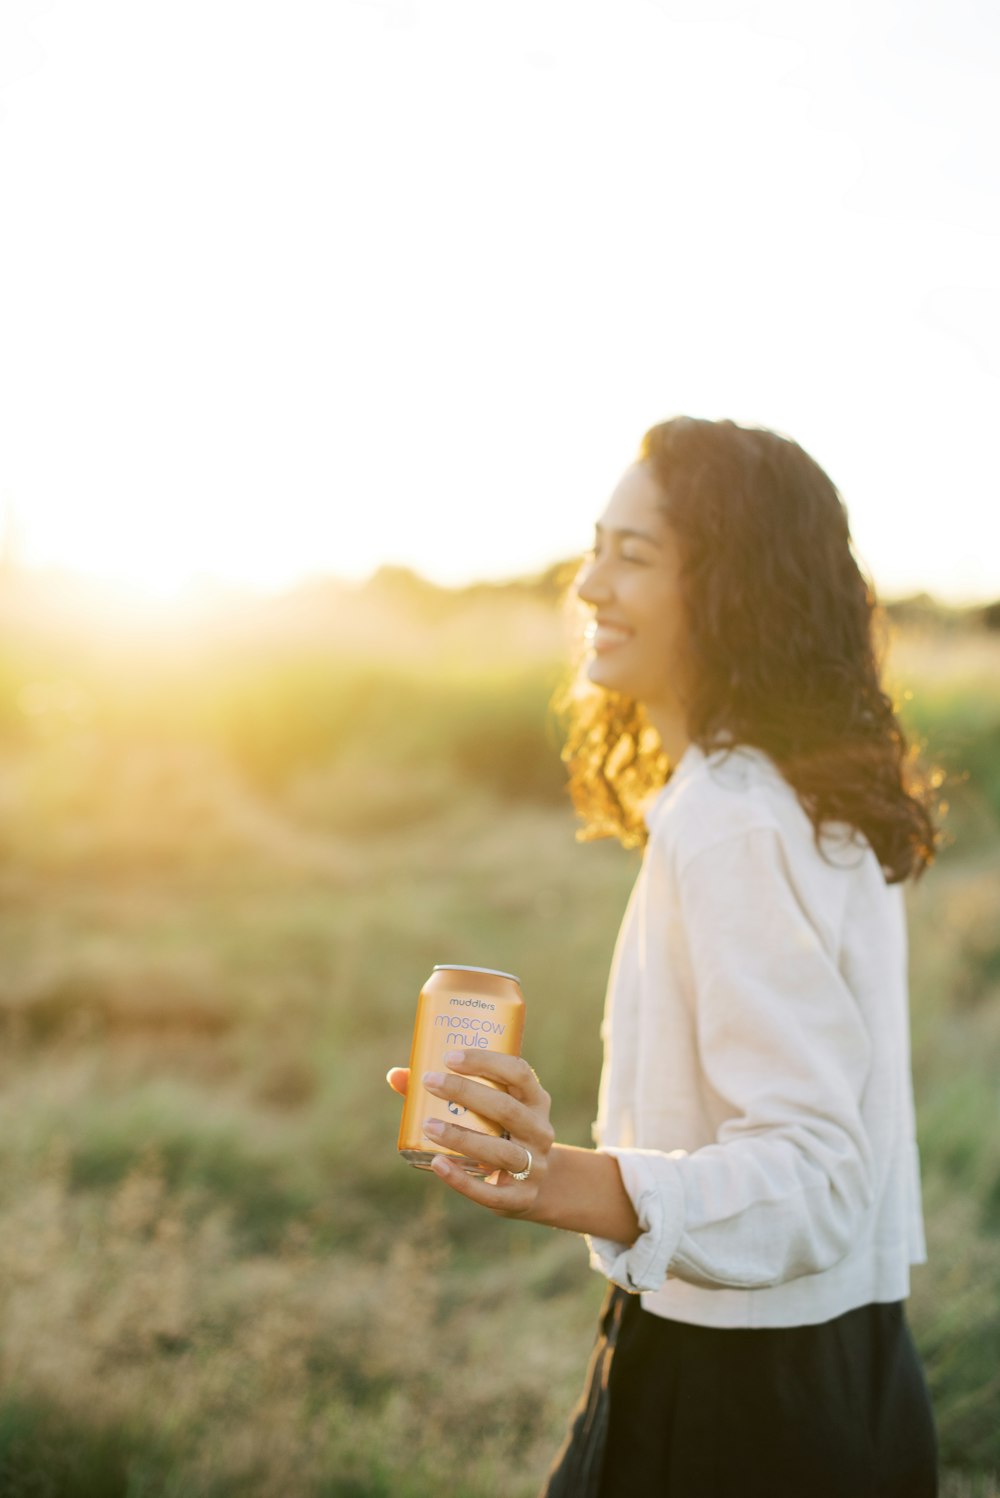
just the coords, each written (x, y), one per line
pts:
(756, 1088)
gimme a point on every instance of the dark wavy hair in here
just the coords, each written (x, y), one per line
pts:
(781, 638)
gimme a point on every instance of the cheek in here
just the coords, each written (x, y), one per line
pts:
(662, 615)
(664, 635)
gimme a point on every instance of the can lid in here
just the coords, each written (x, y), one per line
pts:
(458, 967)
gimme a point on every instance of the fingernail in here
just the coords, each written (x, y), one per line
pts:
(440, 1166)
(434, 1079)
(433, 1126)
(454, 1058)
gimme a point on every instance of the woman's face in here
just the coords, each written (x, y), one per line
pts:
(630, 583)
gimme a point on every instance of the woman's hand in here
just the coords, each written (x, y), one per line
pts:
(583, 1187)
(522, 1109)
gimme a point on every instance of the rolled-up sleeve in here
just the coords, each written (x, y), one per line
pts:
(783, 1189)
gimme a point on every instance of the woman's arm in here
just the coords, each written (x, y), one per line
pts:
(785, 1052)
(584, 1193)
(579, 1190)
(783, 1190)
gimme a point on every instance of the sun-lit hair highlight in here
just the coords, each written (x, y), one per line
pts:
(783, 646)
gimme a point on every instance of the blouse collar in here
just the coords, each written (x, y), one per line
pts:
(692, 760)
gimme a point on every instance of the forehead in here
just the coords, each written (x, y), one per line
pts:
(636, 502)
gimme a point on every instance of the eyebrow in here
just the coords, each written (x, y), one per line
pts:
(622, 534)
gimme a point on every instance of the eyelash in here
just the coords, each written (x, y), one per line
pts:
(591, 556)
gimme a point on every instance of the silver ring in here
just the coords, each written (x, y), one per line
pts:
(522, 1175)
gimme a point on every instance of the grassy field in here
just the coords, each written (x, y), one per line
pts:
(226, 866)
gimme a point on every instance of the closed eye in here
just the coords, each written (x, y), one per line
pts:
(593, 552)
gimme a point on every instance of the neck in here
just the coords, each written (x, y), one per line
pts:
(671, 730)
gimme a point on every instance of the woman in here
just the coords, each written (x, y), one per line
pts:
(754, 1196)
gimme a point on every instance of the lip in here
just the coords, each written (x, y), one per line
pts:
(603, 635)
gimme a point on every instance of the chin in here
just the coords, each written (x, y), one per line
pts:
(603, 674)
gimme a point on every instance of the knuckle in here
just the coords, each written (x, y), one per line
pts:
(508, 1110)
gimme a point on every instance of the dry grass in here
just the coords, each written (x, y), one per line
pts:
(135, 1315)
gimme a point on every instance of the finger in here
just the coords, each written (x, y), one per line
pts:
(512, 1072)
(500, 1154)
(488, 1102)
(510, 1198)
(398, 1078)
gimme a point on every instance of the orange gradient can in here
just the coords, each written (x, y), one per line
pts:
(472, 1009)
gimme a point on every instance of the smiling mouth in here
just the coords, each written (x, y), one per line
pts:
(604, 637)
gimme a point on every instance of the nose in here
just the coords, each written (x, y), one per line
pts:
(592, 585)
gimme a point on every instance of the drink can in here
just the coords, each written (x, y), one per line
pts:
(476, 1009)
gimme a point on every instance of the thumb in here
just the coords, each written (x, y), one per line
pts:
(398, 1078)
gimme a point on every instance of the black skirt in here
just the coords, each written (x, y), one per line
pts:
(838, 1410)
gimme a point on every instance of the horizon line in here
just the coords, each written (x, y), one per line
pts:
(206, 584)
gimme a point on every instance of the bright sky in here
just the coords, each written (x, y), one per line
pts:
(302, 287)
